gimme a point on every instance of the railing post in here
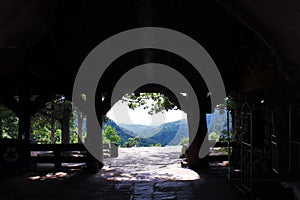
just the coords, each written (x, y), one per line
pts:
(57, 154)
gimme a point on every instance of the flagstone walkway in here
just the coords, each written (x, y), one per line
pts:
(137, 173)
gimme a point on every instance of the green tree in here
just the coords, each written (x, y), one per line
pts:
(159, 102)
(133, 142)
(214, 136)
(8, 123)
(155, 145)
(110, 135)
(54, 121)
(184, 141)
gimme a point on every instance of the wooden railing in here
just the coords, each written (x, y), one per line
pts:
(63, 153)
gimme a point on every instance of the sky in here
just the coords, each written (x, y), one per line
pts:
(121, 114)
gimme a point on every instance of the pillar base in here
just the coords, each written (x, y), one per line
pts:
(196, 163)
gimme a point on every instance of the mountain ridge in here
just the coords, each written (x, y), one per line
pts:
(169, 133)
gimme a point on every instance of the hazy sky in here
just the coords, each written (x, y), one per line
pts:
(121, 114)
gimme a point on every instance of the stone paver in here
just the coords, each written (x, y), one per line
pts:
(138, 173)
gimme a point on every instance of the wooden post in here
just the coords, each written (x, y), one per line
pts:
(80, 126)
(65, 125)
(24, 117)
(192, 153)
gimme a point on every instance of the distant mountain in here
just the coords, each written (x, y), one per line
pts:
(143, 131)
(138, 128)
(122, 133)
(182, 132)
(170, 133)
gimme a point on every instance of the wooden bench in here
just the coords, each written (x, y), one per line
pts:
(64, 153)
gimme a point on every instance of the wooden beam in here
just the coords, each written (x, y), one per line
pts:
(10, 102)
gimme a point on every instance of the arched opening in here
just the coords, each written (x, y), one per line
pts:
(146, 115)
(151, 137)
(130, 60)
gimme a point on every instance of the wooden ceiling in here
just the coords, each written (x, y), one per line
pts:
(43, 42)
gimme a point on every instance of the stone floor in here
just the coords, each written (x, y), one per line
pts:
(137, 173)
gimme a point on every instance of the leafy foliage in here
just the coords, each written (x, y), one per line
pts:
(110, 135)
(159, 102)
(155, 145)
(8, 123)
(43, 135)
(43, 123)
(184, 141)
(214, 136)
(229, 104)
(48, 121)
(133, 142)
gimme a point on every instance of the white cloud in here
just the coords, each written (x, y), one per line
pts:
(120, 113)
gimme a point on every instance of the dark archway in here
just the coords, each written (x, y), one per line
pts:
(126, 62)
